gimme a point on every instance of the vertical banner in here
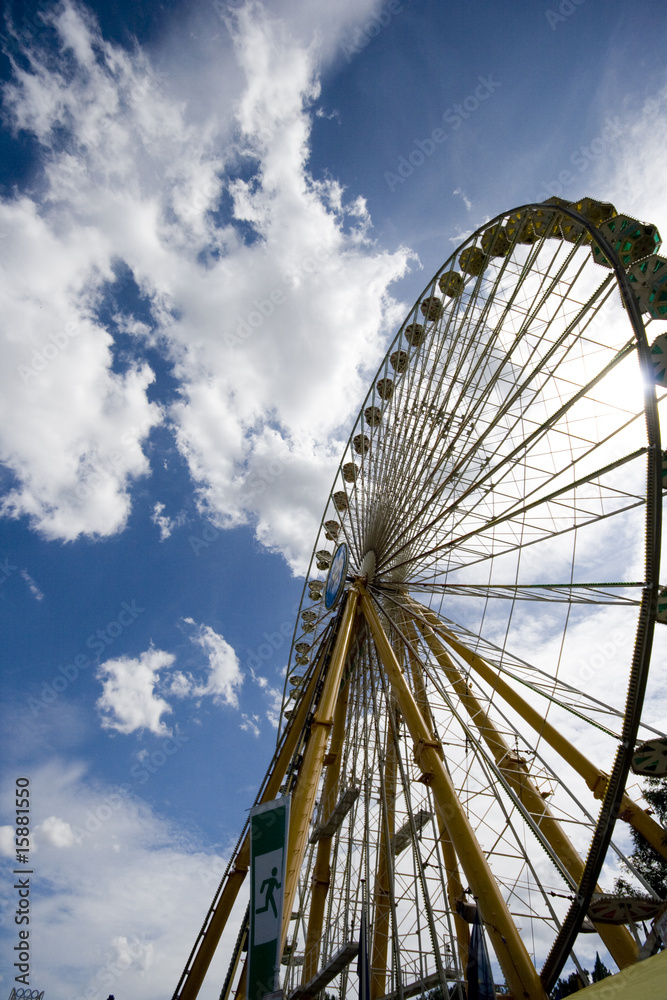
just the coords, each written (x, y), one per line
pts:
(363, 969)
(479, 973)
(269, 823)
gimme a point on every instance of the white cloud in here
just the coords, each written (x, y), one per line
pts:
(225, 676)
(275, 698)
(466, 201)
(7, 845)
(132, 176)
(72, 429)
(135, 691)
(32, 586)
(164, 523)
(55, 831)
(272, 695)
(136, 942)
(129, 701)
(250, 724)
(628, 171)
(180, 685)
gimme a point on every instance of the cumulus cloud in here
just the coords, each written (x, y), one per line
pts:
(55, 831)
(138, 940)
(164, 523)
(225, 676)
(135, 690)
(266, 293)
(129, 701)
(180, 685)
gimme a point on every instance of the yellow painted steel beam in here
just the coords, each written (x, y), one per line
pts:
(222, 907)
(382, 904)
(303, 798)
(240, 990)
(454, 894)
(322, 869)
(454, 884)
(618, 940)
(520, 973)
(236, 961)
(417, 674)
(631, 812)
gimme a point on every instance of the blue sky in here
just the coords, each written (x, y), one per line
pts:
(213, 218)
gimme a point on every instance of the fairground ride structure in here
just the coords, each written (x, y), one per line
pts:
(463, 701)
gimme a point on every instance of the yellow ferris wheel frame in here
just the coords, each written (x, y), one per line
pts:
(315, 731)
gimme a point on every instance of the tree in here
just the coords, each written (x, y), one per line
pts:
(651, 865)
(565, 987)
(600, 970)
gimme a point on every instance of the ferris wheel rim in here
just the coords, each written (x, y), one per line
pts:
(653, 502)
(646, 625)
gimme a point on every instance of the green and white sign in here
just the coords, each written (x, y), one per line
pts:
(269, 824)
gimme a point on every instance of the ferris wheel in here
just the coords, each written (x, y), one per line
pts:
(464, 692)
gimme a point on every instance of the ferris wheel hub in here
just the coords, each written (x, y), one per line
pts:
(367, 569)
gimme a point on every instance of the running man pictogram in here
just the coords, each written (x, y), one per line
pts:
(271, 885)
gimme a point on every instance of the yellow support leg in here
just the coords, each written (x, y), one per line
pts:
(240, 990)
(520, 973)
(202, 955)
(454, 894)
(382, 915)
(416, 672)
(303, 799)
(454, 884)
(322, 870)
(618, 940)
(596, 779)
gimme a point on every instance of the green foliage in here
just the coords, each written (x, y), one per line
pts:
(434, 994)
(646, 860)
(565, 987)
(600, 970)
(573, 983)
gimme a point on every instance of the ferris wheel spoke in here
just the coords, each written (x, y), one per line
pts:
(526, 446)
(468, 410)
(353, 517)
(559, 593)
(653, 832)
(548, 514)
(406, 428)
(540, 428)
(464, 401)
(548, 686)
(483, 487)
(494, 550)
(462, 686)
(435, 366)
(511, 773)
